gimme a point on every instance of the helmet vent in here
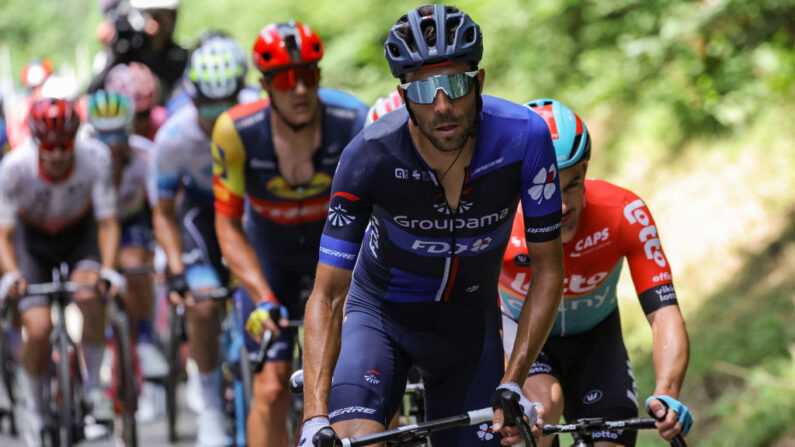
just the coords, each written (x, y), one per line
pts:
(267, 56)
(450, 26)
(292, 47)
(393, 50)
(576, 144)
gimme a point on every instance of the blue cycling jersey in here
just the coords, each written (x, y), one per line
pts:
(416, 249)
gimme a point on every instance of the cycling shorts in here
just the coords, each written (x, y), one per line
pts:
(594, 371)
(291, 279)
(136, 231)
(456, 349)
(201, 254)
(39, 252)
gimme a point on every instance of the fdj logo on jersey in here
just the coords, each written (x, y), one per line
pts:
(636, 212)
(444, 248)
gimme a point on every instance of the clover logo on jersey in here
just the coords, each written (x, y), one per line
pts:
(338, 216)
(485, 432)
(543, 184)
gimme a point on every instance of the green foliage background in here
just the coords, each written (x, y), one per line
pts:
(670, 89)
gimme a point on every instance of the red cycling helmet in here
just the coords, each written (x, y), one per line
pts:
(136, 81)
(282, 45)
(54, 122)
(35, 72)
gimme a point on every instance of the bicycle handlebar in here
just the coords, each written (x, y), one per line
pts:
(592, 425)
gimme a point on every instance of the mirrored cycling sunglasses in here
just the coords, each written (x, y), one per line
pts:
(66, 145)
(287, 79)
(453, 85)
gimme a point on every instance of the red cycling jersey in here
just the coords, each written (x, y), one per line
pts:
(615, 224)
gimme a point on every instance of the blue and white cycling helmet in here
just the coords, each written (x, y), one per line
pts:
(569, 134)
(217, 68)
(457, 39)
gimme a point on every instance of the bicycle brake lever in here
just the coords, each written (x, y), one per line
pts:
(512, 414)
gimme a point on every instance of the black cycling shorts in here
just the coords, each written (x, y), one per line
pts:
(201, 253)
(594, 371)
(39, 252)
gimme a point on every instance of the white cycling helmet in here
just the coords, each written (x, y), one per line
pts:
(217, 69)
(383, 106)
(154, 4)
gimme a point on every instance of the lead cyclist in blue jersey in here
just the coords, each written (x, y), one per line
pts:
(423, 199)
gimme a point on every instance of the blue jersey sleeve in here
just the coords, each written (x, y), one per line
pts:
(541, 200)
(350, 207)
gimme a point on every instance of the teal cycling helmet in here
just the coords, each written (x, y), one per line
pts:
(110, 112)
(569, 134)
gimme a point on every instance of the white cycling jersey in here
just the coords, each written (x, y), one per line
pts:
(137, 186)
(183, 155)
(52, 206)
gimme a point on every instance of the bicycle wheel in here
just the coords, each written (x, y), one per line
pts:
(174, 340)
(127, 391)
(7, 371)
(66, 404)
(246, 377)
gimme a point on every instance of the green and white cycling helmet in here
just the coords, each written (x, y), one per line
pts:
(110, 112)
(217, 69)
(569, 134)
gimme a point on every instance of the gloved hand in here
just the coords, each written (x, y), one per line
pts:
(177, 286)
(504, 402)
(114, 281)
(685, 418)
(317, 432)
(265, 311)
(10, 285)
(528, 408)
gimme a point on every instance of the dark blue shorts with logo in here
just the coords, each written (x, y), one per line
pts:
(455, 347)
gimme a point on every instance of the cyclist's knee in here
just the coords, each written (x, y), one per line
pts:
(133, 257)
(204, 312)
(38, 324)
(85, 277)
(269, 392)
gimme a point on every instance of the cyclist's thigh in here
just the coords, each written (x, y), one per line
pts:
(470, 381)
(600, 382)
(136, 231)
(370, 375)
(83, 259)
(199, 241)
(35, 264)
(545, 388)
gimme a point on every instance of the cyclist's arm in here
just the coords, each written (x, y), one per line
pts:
(671, 350)
(8, 260)
(237, 251)
(539, 308)
(109, 237)
(164, 221)
(322, 329)
(229, 175)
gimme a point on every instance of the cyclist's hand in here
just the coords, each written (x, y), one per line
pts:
(673, 416)
(510, 433)
(111, 282)
(261, 319)
(317, 432)
(12, 285)
(178, 290)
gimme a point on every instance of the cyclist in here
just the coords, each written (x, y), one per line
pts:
(183, 155)
(135, 80)
(436, 182)
(33, 75)
(151, 44)
(583, 369)
(280, 154)
(110, 116)
(48, 188)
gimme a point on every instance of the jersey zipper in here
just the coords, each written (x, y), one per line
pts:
(451, 263)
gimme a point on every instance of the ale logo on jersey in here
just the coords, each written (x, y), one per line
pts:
(279, 187)
(544, 184)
